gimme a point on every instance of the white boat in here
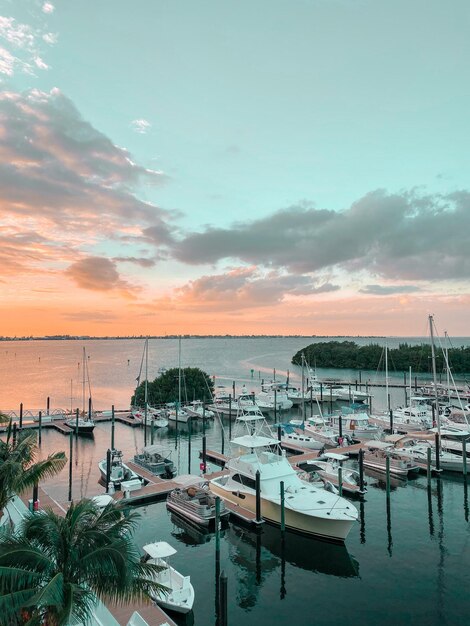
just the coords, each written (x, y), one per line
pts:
(180, 595)
(348, 394)
(273, 397)
(196, 409)
(417, 451)
(327, 467)
(354, 423)
(178, 414)
(193, 500)
(414, 418)
(225, 404)
(308, 509)
(119, 471)
(83, 426)
(156, 459)
(289, 434)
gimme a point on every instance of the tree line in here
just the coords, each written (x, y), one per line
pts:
(349, 355)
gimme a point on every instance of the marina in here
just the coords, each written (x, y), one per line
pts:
(257, 557)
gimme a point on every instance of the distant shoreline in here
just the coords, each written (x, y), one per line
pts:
(120, 337)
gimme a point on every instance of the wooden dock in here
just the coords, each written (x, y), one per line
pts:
(242, 514)
(215, 457)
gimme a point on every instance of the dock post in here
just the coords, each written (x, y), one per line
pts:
(223, 599)
(331, 400)
(189, 444)
(416, 383)
(311, 401)
(76, 422)
(70, 465)
(204, 463)
(217, 526)
(340, 425)
(438, 452)
(89, 408)
(275, 406)
(361, 469)
(35, 497)
(204, 417)
(279, 432)
(321, 392)
(388, 402)
(230, 417)
(340, 480)
(14, 433)
(464, 456)
(233, 390)
(21, 415)
(152, 429)
(108, 469)
(360, 378)
(48, 405)
(40, 429)
(223, 437)
(387, 477)
(283, 512)
(258, 497)
(350, 393)
(112, 427)
(356, 384)
(391, 421)
(428, 466)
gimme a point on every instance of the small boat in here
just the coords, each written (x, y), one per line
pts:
(155, 459)
(83, 426)
(375, 458)
(327, 468)
(119, 471)
(196, 409)
(354, 422)
(289, 434)
(180, 595)
(157, 417)
(194, 501)
(417, 451)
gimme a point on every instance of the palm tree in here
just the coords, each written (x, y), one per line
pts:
(19, 469)
(53, 569)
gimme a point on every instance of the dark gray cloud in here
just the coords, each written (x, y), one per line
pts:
(387, 290)
(142, 261)
(397, 236)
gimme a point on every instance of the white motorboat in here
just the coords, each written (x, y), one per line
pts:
(193, 500)
(348, 393)
(83, 426)
(412, 418)
(196, 409)
(119, 471)
(156, 459)
(327, 467)
(273, 397)
(309, 509)
(417, 451)
(354, 423)
(180, 595)
(297, 436)
(157, 417)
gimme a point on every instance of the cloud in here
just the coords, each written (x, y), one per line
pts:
(141, 126)
(386, 290)
(142, 261)
(97, 274)
(396, 236)
(67, 183)
(50, 38)
(242, 288)
(21, 47)
(40, 64)
(48, 7)
(102, 317)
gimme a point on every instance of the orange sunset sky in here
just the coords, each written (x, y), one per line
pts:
(234, 174)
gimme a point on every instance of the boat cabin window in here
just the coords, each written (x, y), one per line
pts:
(244, 480)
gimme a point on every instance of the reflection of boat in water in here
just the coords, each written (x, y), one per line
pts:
(191, 534)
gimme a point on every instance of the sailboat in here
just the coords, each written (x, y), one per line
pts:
(82, 424)
(157, 417)
(309, 509)
(178, 414)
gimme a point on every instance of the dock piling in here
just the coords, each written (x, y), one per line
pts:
(70, 464)
(112, 427)
(464, 456)
(258, 497)
(428, 466)
(40, 429)
(283, 512)
(21, 415)
(217, 526)
(391, 421)
(76, 422)
(204, 448)
(48, 405)
(361, 469)
(189, 444)
(35, 497)
(387, 476)
(108, 469)
(14, 433)
(438, 452)
(279, 433)
(340, 480)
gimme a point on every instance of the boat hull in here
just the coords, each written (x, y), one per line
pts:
(329, 529)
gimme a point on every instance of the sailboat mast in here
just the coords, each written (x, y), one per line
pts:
(146, 374)
(179, 371)
(434, 375)
(387, 396)
(303, 387)
(447, 365)
(83, 381)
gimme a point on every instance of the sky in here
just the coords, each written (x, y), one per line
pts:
(249, 167)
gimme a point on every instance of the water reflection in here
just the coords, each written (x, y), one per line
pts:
(389, 528)
(465, 500)
(362, 518)
(190, 534)
(430, 515)
(258, 554)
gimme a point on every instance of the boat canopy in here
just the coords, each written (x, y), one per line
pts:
(335, 456)
(254, 441)
(381, 445)
(156, 449)
(189, 480)
(250, 417)
(103, 500)
(159, 550)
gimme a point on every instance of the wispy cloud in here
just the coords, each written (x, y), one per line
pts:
(386, 290)
(98, 274)
(21, 49)
(48, 7)
(141, 126)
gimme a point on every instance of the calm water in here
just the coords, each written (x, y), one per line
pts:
(406, 565)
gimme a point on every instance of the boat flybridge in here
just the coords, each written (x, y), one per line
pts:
(309, 509)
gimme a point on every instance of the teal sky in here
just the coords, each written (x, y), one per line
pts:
(253, 107)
